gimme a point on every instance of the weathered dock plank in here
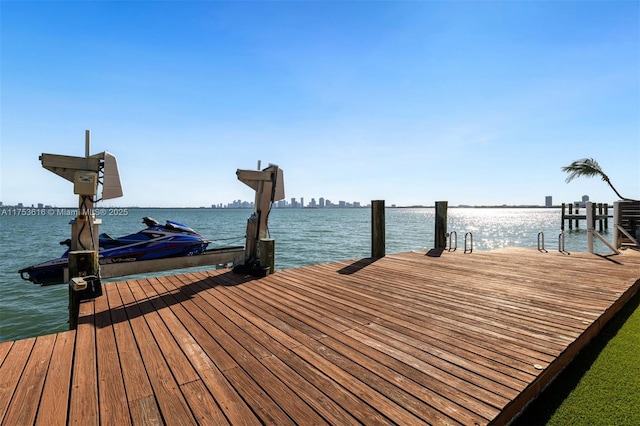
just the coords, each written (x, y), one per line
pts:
(138, 392)
(411, 338)
(11, 372)
(210, 360)
(32, 377)
(54, 402)
(4, 350)
(83, 406)
(114, 409)
(171, 402)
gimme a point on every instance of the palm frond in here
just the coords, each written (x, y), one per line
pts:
(587, 167)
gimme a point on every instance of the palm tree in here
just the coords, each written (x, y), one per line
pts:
(589, 167)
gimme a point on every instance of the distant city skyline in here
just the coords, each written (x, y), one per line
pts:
(294, 203)
(313, 203)
(323, 202)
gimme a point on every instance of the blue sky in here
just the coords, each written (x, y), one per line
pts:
(411, 102)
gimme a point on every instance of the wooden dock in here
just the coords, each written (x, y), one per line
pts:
(411, 338)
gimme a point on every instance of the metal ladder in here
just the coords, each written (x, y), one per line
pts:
(451, 246)
(470, 249)
(541, 242)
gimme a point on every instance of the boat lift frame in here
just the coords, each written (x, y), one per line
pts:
(268, 184)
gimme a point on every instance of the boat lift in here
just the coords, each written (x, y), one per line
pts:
(259, 250)
(86, 173)
(89, 171)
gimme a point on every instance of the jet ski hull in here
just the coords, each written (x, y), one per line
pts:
(155, 242)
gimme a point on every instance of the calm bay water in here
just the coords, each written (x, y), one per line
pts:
(303, 237)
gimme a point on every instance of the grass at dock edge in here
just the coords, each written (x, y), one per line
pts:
(601, 386)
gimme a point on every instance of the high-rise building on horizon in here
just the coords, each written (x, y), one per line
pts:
(582, 203)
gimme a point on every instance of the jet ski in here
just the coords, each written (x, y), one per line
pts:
(157, 241)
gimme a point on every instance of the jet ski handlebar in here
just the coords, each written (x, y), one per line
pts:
(149, 221)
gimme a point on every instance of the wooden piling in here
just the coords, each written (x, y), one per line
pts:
(599, 212)
(266, 253)
(377, 229)
(570, 213)
(600, 223)
(82, 263)
(440, 233)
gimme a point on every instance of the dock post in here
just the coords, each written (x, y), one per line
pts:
(600, 223)
(377, 229)
(606, 215)
(578, 220)
(590, 225)
(570, 213)
(562, 218)
(84, 284)
(266, 254)
(440, 233)
(617, 219)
